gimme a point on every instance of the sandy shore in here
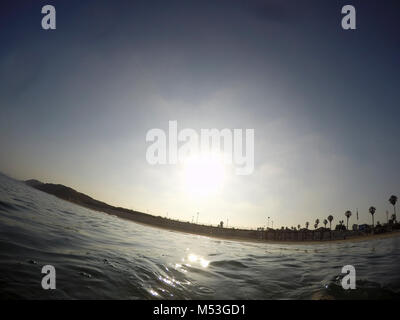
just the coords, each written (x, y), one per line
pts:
(351, 239)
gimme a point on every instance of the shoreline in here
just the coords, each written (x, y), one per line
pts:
(369, 237)
(230, 234)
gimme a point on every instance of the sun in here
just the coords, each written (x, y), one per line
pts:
(203, 175)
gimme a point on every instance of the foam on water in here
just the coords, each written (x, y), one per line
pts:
(98, 256)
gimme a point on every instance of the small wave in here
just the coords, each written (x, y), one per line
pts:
(229, 264)
(6, 205)
(365, 290)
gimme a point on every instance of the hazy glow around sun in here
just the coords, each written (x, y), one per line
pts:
(203, 175)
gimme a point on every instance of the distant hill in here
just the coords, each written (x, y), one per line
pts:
(69, 194)
(84, 200)
(33, 183)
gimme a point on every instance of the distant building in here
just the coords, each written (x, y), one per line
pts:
(340, 227)
(364, 227)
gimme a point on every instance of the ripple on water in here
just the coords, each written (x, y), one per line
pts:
(98, 256)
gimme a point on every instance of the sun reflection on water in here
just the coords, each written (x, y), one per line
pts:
(153, 293)
(193, 258)
(166, 282)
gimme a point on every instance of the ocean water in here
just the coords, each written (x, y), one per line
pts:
(98, 256)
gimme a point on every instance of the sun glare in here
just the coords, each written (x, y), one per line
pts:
(203, 175)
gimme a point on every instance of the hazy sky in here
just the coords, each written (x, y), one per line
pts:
(76, 102)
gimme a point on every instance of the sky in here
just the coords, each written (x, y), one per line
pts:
(76, 103)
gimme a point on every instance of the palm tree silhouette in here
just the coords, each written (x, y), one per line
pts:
(330, 219)
(316, 223)
(298, 226)
(393, 200)
(325, 222)
(372, 212)
(348, 215)
(307, 224)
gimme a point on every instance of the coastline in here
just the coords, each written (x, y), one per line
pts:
(369, 237)
(303, 237)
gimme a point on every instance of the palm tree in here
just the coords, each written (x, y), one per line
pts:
(330, 219)
(315, 226)
(325, 222)
(316, 223)
(372, 212)
(348, 215)
(298, 226)
(307, 224)
(393, 200)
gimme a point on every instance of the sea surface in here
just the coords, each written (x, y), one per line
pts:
(98, 256)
